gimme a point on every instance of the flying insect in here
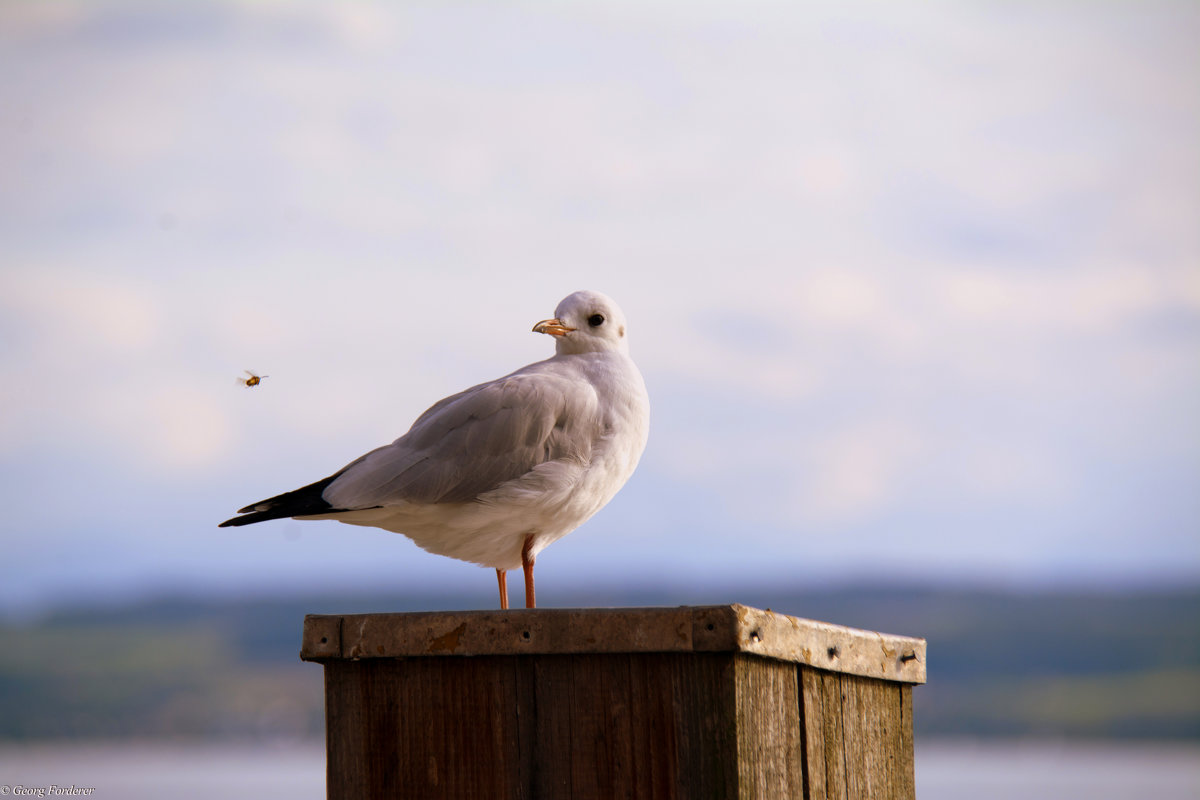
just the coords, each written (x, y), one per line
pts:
(253, 380)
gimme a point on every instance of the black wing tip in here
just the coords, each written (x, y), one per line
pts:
(248, 519)
(261, 511)
(301, 502)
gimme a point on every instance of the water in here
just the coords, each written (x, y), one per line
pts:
(148, 771)
(1033, 770)
(296, 771)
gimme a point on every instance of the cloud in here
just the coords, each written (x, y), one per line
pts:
(854, 473)
(188, 428)
(69, 336)
(881, 272)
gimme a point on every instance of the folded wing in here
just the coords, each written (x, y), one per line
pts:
(473, 442)
(464, 446)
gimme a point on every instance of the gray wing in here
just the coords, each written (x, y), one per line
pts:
(473, 441)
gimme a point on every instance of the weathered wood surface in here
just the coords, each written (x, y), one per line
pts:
(770, 754)
(731, 628)
(647, 725)
(710, 720)
(860, 731)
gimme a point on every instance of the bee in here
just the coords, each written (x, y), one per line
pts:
(253, 380)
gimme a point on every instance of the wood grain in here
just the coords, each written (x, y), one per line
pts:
(835, 736)
(769, 755)
(702, 722)
(812, 732)
(908, 787)
(731, 628)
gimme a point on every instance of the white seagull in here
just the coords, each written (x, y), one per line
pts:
(496, 473)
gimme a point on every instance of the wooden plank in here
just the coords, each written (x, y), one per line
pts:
(835, 745)
(857, 737)
(871, 730)
(322, 638)
(908, 787)
(601, 758)
(637, 726)
(812, 731)
(810, 642)
(654, 740)
(553, 727)
(512, 632)
(732, 628)
(705, 720)
(769, 754)
(529, 752)
(345, 733)
(884, 715)
(582, 730)
(854, 735)
(476, 755)
(422, 729)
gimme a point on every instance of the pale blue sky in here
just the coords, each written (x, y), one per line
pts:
(915, 287)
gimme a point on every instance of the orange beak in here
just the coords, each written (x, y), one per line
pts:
(554, 327)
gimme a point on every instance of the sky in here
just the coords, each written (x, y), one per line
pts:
(915, 287)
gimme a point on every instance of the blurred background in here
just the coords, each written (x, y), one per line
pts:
(915, 289)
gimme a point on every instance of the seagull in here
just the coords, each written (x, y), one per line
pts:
(496, 473)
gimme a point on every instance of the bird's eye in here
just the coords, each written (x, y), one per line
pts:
(596, 320)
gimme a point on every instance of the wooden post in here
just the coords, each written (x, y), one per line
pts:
(690, 702)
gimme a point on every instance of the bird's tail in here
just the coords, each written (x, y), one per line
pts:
(301, 502)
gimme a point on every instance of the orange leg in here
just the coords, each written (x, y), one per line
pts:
(502, 579)
(527, 558)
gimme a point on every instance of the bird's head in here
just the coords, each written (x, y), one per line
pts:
(586, 322)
